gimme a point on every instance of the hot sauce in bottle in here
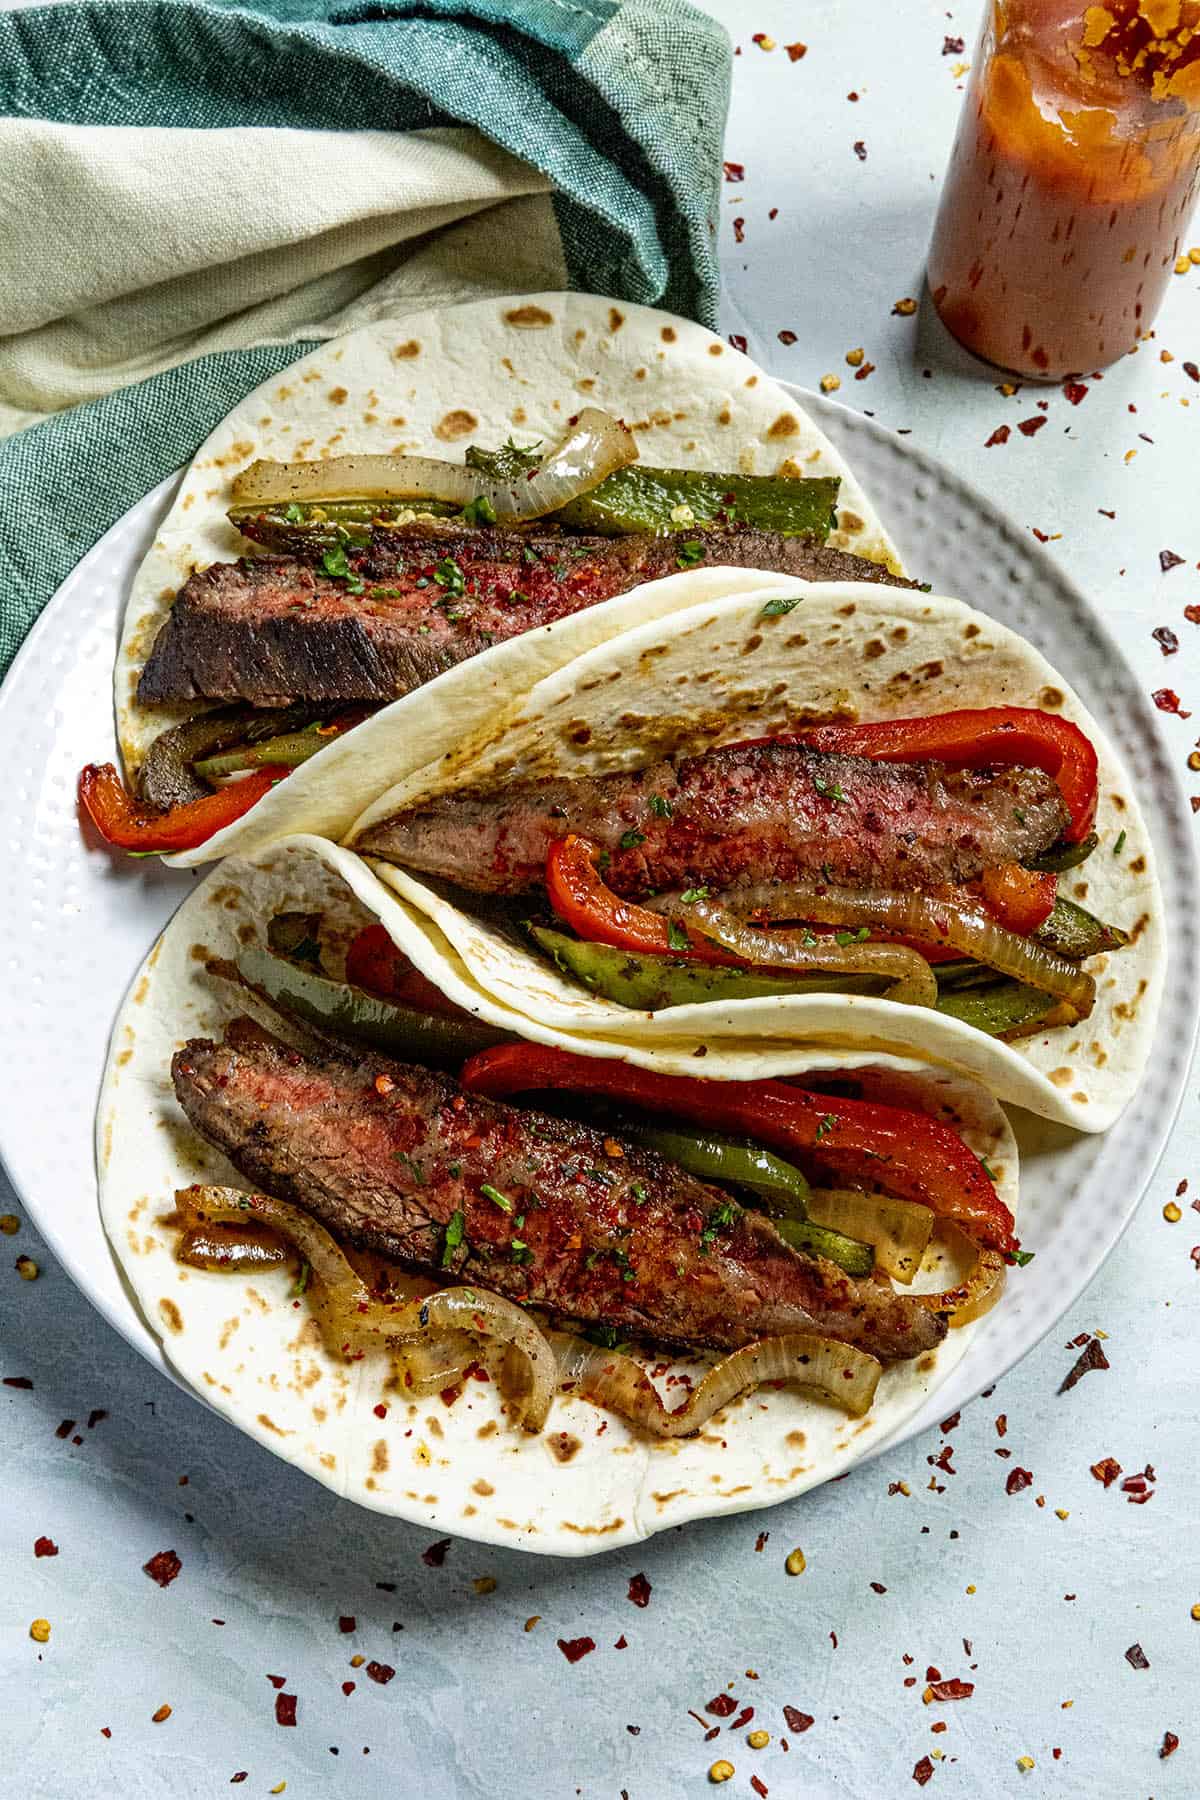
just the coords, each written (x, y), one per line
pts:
(1071, 181)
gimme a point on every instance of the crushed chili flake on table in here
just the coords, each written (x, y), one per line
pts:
(164, 1712)
(759, 1786)
(738, 341)
(787, 337)
(1091, 1357)
(722, 1705)
(796, 51)
(1136, 1657)
(743, 1718)
(1170, 1745)
(1017, 1480)
(763, 41)
(435, 1555)
(1166, 639)
(1167, 700)
(163, 1567)
(347, 1622)
(1074, 391)
(734, 171)
(381, 1672)
(639, 1590)
(1001, 435)
(44, 1546)
(868, 368)
(798, 1721)
(277, 1681)
(1190, 369)
(860, 150)
(950, 1689)
(242, 1775)
(923, 1771)
(285, 1709)
(1169, 559)
(878, 1587)
(952, 46)
(576, 1648)
(760, 1542)
(1029, 427)
(739, 231)
(1139, 1488)
(17, 1381)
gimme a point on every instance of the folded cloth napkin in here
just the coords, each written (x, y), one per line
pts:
(192, 194)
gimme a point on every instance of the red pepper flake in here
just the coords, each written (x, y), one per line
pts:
(1192, 615)
(1001, 435)
(860, 150)
(743, 1718)
(1170, 1745)
(1018, 1479)
(1168, 559)
(868, 368)
(163, 1567)
(1167, 700)
(622, 1643)
(348, 1688)
(576, 1648)
(774, 213)
(435, 1556)
(1030, 427)
(948, 1425)
(878, 1587)
(923, 1771)
(639, 1590)
(734, 171)
(796, 51)
(952, 46)
(1136, 1657)
(1104, 512)
(1166, 640)
(933, 1673)
(833, 1639)
(277, 1681)
(714, 1733)
(721, 1705)
(1139, 1488)
(17, 1381)
(1091, 1357)
(65, 1429)
(242, 1775)
(285, 1709)
(106, 1731)
(380, 1672)
(952, 1689)
(347, 1622)
(760, 1542)
(759, 1786)
(1189, 368)
(739, 231)
(95, 1417)
(763, 41)
(1043, 537)
(787, 337)
(45, 1546)
(798, 1721)
(1106, 1470)
(738, 341)
(380, 1411)
(1074, 391)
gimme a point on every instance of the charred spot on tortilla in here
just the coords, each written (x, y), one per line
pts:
(454, 425)
(405, 353)
(528, 318)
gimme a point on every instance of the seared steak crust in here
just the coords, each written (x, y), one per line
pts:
(758, 812)
(554, 1213)
(272, 629)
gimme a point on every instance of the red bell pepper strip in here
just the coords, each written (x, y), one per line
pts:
(908, 1153)
(578, 894)
(975, 738)
(1019, 899)
(373, 962)
(127, 824)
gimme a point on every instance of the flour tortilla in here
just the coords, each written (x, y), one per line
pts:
(247, 1349)
(433, 383)
(726, 669)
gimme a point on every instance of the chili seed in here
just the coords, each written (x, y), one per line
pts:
(26, 1268)
(39, 1631)
(829, 385)
(9, 1224)
(1171, 1213)
(854, 357)
(1196, 1612)
(795, 1564)
(164, 1712)
(758, 1740)
(720, 1771)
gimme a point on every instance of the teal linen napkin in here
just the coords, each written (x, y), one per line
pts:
(619, 103)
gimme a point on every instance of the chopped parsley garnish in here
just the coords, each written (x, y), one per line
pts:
(455, 1235)
(1023, 1258)
(413, 1166)
(677, 937)
(293, 513)
(448, 575)
(824, 1126)
(301, 1282)
(603, 860)
(520, 1251)
(775, 609)
(631, 839)
(479, 511)
(1018, 815)
(334, 563)
(690, 896)
(719, 1217)
(1119, 845)
(604, 1175)
(455, 1169)
(530, 555)
(810, 939)
(638, 1191)
(829, 790)
(661, 808)
(851, 937)
(690, 553)
(496, 1197)
(606, 1336)
(987, 1168)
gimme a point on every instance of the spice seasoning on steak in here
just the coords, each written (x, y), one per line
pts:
(749, 813)
(630, 1240)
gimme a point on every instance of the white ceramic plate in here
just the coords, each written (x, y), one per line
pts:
(78, 924)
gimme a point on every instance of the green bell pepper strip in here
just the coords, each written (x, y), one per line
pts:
(304, 528)
(353, 1013)
(819, 1240)
(727, 1160)
(1075, 933)
(1062, 856)
(1006, 1009)
(285, 752)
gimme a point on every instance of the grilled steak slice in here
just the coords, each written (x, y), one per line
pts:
(270, 629)
(385, 1154)
(757, 812)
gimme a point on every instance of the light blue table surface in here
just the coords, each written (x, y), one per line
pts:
(1035, 1608)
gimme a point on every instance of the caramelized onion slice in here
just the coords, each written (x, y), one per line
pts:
(433, 1363)
(837, 1371)
(943, 918)
(346, 1309)
(977, 1292)
(591, 449)
(899, 1230)
(912, 980)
